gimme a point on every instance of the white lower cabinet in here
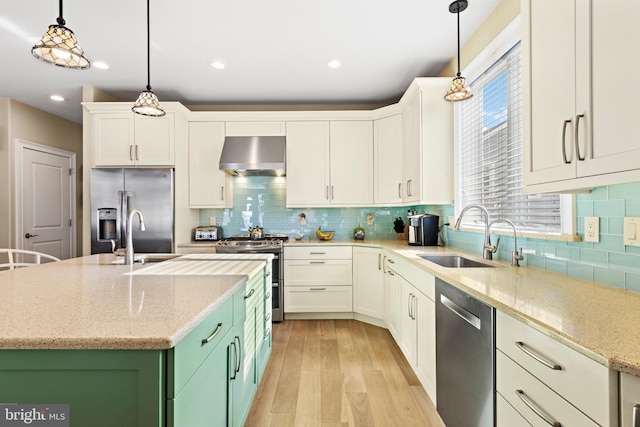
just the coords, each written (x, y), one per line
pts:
(409, 308)
(412, 320)
(545, 380)
(318, 279)
(368, 282)
(426, 344)
(629, 400)
(507, 416)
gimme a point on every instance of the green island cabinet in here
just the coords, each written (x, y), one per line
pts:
(208, 379)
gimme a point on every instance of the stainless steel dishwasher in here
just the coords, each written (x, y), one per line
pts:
(465, 358)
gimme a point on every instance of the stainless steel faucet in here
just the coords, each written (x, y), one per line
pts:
(515, 255)
(488, 249)
(129, 255)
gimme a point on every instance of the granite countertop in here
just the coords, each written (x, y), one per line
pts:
(89, 303)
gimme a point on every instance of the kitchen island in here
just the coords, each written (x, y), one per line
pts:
(124, 345)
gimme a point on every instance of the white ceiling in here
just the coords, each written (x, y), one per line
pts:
(275, 52)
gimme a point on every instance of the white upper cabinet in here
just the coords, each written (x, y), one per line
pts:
(307, 163)
(427, 166)
(436, 120)
(209, 187)
(329, 163)
(579, 130)
(154, 138)
(351, 155)
(549, 90)
(128, 139)
(387, 160)
(411, 150)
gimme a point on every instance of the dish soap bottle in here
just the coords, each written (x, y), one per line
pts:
(358, 233)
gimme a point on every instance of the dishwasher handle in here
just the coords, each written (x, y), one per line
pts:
(465, 315)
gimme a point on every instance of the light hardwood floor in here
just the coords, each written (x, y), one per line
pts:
(338, 373)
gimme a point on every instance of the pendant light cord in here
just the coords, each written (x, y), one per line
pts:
(458, 14)
(60, 19)
(148, 50)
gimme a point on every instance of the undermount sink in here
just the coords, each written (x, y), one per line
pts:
(148, 258)
(454, 261)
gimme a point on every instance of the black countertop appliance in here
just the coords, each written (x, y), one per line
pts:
(423, 230)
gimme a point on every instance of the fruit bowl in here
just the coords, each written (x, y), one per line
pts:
(324, 235)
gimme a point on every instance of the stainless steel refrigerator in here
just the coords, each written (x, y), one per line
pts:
(114, 192)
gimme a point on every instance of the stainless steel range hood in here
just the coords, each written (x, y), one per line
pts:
(253, 155)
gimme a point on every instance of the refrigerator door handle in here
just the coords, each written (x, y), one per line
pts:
(123, 206)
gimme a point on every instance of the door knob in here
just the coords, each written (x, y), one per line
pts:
(27, 236)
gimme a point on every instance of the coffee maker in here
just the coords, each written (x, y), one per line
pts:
(423, 230)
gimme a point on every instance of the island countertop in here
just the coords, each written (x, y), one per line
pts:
(90, 303)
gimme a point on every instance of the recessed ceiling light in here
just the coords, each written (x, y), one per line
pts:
(334, 64)
(217, 65)
(101, 65)
(56, 98)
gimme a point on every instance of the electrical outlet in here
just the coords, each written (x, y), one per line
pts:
(591, 229)
(212, 220)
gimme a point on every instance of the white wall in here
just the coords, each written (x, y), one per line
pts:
(20, 121)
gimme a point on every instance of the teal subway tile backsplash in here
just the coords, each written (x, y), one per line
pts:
(632, 207)
(623, 191)
(607, 208)
(261, 201)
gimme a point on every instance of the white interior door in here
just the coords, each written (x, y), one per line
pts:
(44, 202)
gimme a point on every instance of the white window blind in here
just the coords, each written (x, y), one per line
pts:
(490, 159)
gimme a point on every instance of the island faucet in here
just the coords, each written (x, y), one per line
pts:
(129, 255)
(515, 255)
(488, 249)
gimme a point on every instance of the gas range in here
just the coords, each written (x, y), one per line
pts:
(244, 243)
(269, 243)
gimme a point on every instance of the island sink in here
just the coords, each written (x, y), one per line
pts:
(454, 261)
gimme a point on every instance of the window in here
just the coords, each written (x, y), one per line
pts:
(490, 152)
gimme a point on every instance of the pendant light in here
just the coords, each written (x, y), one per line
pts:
(459, 89)
(147, 103)
(58, 46)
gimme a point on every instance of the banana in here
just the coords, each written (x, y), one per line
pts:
(323, 235)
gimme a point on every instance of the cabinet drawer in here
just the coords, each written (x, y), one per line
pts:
(534, 400)
(246, 299)
(317, 299)
(575, 373)
(506, 416)
(325, 273)
(185, 358)
(317, 252)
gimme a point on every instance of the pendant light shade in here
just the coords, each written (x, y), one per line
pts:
(147, 103)
(58, 46)
(459, 89)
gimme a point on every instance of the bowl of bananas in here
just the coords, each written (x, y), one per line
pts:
(324, 235)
